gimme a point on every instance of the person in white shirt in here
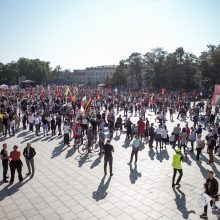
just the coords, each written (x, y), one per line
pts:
(171, 138)
(192, 138)
(31, 122)
(85, 123)
(159, 132)
(12, 126)
(135, 148)
(36, 122)
(66, 129)
(164, 136)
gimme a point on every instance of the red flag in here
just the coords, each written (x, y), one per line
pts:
(217, 89)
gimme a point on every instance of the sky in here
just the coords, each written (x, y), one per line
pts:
(76, 34)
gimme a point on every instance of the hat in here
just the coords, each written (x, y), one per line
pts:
(178, 150)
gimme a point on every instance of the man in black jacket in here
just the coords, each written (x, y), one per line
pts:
(211, 189)
(5, 159)
(108, 149)
(29, 153)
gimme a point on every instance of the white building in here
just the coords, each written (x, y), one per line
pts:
(94, 75)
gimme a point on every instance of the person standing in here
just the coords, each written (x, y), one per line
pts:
(128, 129)
(108, 149)
(53, 126)
(176, 164)
(90, 136)
(16, 164)
(192, 138)
(200, 144)
(101, 141)
(158, 133)
(29, 153)
(183, 140)
(211, 189)
(5, 159)
(66, 130)
(151, 135)
(210, 149)
(135, 148)
(176, 132)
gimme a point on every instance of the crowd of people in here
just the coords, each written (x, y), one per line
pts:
(83, 115)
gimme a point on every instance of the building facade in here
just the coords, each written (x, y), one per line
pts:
(93, 76)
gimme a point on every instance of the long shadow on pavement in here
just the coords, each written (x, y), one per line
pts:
(202, 169)
(126, 143)
(57, 150)
(6, 191)
(96, 162)
(83, 159)
(70, 152)
(181, 203)
(151, 153)
(101, 193)
(134, 174)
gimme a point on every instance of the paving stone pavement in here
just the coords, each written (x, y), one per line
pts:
(68, 186)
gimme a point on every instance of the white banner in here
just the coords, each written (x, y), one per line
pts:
(204, 200)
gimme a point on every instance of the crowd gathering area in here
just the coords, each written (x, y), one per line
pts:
(105, 153)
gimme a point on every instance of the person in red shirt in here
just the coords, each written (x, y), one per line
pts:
(15, 164)
(141, 128)
(187, 131)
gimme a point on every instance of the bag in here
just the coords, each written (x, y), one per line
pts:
(158, 137)
(141, 147)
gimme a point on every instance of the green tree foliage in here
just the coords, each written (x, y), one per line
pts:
(119, 77)
(209, 66)
(135, 63)
(33, 69)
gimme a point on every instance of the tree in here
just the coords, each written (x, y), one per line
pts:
(135, 63)
(154, 68)
(119, 77)
(209, 66)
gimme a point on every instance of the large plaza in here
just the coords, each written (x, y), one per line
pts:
(67, 185)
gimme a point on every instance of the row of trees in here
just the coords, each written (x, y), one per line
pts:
(33, 69)
(177, 70)
(155, 69)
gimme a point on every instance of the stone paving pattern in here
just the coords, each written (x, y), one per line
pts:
(68, 186)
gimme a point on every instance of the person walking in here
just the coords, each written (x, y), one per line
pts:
(5, 159)
(16, 164)
(108, 149)
(29, 153)
(211, 189)
(176, 164)
(135, 148)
